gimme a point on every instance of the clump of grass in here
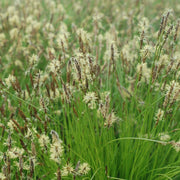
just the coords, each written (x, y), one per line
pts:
(94, 96)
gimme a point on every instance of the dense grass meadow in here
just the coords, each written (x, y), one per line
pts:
(90, 89)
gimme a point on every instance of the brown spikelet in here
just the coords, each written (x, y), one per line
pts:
(20, 112)
(1, 82)
(17, 84)
(178, 66)
(17, 176)
(48, 91)
(58, 174)
(81, 48)
(97, 70)
(176, 31)
(12, 115)
(22, 129)
(2, 110)
(53, 88)
(4, 171)
(31, 168)
(66, 91)
(107, 105)
(3, 130)
(9, 140)
(37, 82)
(45, 126)
(68, 72)
(5, 160)
(166, 19)
(78, 68)
(164, 84)
(54, 80)
(75, 112)
(51, 56)
(141, 39)
(25, 128)
(33, 149)
(166, 100)
(52, 17)
(31, 111)
(87, 84)
(35, 110)
(15, 128)
(60, 59)
(38, 136)
(9, 167)
(157, 120)
(161, 27)
(62, 44)
(140, 74)
(16, 123)
(112, 56)
(21, 165)
(14, 86)
(38, 117)
(174, 98)
(169, 68)
(154, 77)
(91, 65)
(167, 34)
(23, 145)
(97, 54)
(42, 103)
(28, 90)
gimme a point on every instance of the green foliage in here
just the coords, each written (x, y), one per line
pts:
(89, 89)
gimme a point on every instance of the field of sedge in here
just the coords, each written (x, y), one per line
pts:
(90, 89)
